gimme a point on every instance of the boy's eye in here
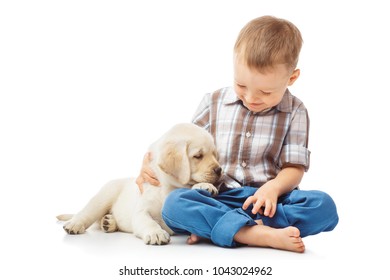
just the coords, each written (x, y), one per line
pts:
(266, 92)
(240, 86)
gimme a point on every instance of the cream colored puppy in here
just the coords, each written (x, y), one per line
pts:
(184, 157)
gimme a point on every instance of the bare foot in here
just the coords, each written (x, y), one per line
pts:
(259, 222)
(193, 239)
(287, 239)
(264, 236)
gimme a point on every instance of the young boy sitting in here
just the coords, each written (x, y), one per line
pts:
(261, 132)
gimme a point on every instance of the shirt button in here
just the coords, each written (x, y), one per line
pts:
(243, 164)
(248, 134)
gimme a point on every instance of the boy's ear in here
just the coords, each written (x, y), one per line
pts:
(294, 76)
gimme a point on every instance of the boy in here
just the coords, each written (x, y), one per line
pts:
(261, 132)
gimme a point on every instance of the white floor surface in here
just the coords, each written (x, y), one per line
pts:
(40, 248)
(87, 85)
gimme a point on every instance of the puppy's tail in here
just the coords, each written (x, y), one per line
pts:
(64, 217)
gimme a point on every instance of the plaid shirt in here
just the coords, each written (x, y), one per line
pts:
(254, 147)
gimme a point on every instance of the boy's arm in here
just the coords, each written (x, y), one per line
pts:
(288, 179)
(294, 160)
(202, 114)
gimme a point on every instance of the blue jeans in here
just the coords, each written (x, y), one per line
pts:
(220, 218)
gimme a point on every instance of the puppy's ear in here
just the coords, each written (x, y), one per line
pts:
(174, 161)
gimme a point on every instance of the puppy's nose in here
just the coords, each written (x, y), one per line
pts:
(218, 170)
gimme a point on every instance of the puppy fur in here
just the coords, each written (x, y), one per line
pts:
(184, 157)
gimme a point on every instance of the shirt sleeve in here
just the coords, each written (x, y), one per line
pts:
(202, 114)
(295, 147)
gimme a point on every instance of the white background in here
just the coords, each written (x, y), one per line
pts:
(86, 86)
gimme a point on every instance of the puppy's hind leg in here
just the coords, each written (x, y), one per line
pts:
(95, 209)
(108, 224)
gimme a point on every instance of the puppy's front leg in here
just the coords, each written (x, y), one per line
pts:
(146, 228)
(206, 186)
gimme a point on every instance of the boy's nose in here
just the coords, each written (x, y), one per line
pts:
(252, 98)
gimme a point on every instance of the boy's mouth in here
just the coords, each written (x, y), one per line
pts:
(256, 105)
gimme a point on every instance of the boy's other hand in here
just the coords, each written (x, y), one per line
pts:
(146, 174)
(264, 201)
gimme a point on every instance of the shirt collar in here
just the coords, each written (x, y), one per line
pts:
(231, 97)
(285, 104)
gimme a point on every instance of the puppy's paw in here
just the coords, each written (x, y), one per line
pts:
(157, 237)
(74, 227)
(108, 224)
(206, 186)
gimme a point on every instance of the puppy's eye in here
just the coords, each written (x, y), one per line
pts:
(198, 156)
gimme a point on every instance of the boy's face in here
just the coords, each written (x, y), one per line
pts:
(261, 91)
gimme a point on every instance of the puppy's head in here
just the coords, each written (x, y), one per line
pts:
(188, 154)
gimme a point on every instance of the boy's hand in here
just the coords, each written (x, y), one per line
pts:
(146, 174)
(264, 200)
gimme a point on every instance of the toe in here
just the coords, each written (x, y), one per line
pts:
(193, 239)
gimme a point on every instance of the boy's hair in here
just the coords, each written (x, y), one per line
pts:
(267, 41)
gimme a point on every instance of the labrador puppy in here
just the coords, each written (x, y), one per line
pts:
(184, 157)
